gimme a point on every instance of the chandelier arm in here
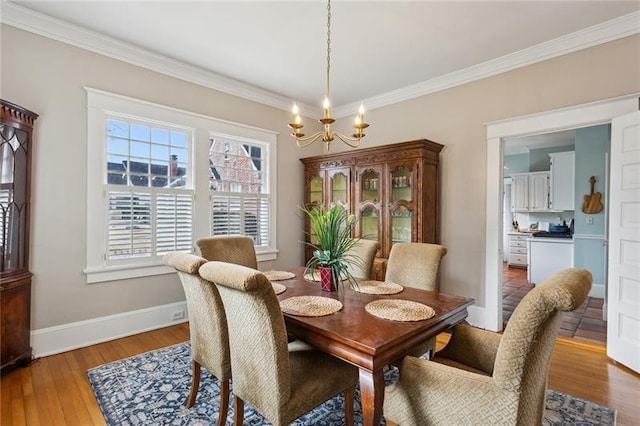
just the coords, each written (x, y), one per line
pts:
(347, 139)
(306, 141)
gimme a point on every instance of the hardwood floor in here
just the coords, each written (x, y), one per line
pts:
(584, 323)
(55, 390)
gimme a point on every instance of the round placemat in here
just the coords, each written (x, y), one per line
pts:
(278, 288)
(279, 275)
(312, 276)
(310, 306)
(378, 287)
(399, 310)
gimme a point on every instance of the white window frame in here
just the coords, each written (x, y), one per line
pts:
(101, 104)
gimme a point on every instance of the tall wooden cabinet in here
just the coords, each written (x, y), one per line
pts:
(392, 190)
(16, 126)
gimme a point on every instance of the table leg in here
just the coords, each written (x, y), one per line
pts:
(372, 396)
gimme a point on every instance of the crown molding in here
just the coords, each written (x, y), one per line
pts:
(74, 35)
(614, 29)
(38, 23)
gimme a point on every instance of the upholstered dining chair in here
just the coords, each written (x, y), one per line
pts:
(362, 255)
(482, 377)
(207, 327)
(239, 250)
(416, 265)
(279, 384)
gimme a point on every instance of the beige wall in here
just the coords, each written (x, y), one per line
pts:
(47, 77)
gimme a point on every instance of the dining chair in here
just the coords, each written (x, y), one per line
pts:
(207, 327)
(361, 257)
(279, 384)
(416, 265)
(239, 250)
(482, 377)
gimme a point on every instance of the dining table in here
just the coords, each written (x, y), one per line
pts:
(367, 341)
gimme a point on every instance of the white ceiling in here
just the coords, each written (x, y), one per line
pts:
(525, 144)
(377, 47)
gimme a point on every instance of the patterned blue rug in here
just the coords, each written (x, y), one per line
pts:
(152, 388)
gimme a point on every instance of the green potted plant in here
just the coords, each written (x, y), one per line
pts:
(330, 237)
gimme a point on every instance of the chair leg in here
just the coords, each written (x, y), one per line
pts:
(195, 383)
(238, 410)
(224, 402)
(349, 395)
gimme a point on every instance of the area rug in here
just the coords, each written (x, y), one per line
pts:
(151, 389)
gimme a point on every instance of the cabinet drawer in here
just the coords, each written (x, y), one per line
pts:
(518, 250)
(518, 243)
(518, 237)
(517, 259)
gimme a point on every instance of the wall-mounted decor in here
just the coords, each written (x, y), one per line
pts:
(592, 202)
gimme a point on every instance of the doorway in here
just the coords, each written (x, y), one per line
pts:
(557, 120)
(528, 160)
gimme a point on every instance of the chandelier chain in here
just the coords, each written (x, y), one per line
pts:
(328, 45)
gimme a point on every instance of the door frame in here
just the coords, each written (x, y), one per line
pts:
(577, 116)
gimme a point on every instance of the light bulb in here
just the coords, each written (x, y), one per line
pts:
(295, 110)
(361, 109)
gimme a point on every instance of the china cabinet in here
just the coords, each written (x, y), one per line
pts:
(392, 190)
(16, 126)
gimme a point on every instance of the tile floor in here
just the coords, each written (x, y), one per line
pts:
(583, 323)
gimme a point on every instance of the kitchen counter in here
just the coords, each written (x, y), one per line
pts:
(547, 256)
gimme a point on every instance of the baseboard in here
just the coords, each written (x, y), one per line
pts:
(476, 316)
(597, 290)
(66, 337)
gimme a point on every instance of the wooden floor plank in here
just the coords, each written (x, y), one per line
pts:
(579, 369)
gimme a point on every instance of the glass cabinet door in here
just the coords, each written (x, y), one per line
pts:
(370, 223)
(339, 189)
(401, 184)
(370, 186)
(316, 191)
(401, 225)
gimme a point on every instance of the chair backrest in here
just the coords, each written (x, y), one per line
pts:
(361, 257)
(207, 320)
(523, 356)
(415, 265)
(238, 250)
(257, 336)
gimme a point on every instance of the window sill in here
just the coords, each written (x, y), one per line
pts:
(115, 273)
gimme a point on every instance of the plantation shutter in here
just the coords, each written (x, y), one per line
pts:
(241, 214)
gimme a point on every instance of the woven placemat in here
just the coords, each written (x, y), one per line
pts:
(399, 310)
(278, 288)
(310, 306)
(378, 287)
(279, 275)
(312, 276)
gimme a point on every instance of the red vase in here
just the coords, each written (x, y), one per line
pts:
(326, 279)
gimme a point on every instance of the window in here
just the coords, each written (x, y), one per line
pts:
(158, 178)
(240, 201)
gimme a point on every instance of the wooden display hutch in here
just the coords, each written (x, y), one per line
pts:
(16, 126)
(392, 190)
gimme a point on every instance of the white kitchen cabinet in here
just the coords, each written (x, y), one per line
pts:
(539, 192)
(547, 256)
(520, 192)
(518, 249)
(562, 181)
(530, 192)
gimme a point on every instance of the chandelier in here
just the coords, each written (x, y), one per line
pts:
(326, 134)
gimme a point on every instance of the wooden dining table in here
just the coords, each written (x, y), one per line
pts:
(367, 341)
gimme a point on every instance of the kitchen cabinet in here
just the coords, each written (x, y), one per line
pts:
(530, 192)
(518, 249)
(16, 126)
(392, 190)
(547, 256)
(562, 181)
